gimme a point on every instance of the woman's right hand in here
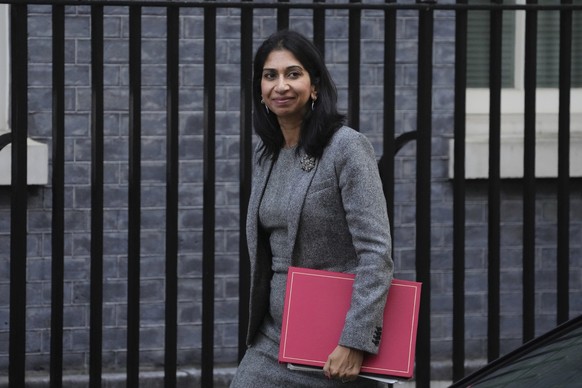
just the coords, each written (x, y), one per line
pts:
(344, 364)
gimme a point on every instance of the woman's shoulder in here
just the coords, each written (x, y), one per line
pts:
(345, 132)
(349, 147)
(348, 138)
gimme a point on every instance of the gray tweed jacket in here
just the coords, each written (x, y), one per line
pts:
(337, 222)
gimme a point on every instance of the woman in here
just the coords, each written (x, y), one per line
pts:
(316, 202)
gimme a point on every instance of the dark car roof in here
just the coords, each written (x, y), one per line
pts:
(551, 360)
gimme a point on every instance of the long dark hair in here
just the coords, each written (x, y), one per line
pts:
(319, 124)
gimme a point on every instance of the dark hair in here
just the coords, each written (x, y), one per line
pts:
(319, 124)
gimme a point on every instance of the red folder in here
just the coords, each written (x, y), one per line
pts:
(316, 304)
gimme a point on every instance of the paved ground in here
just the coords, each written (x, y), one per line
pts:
(187, 378)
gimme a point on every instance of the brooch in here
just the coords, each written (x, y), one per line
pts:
(307, 162)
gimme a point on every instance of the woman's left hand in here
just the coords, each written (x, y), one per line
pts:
(343, 364)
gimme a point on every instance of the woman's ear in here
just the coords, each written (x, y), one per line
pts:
(313, 94)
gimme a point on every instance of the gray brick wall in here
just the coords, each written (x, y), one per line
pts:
(78, 191)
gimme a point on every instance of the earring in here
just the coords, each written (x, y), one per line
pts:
(312, 105)
(266, 107)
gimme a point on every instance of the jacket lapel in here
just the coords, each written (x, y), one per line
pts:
(296, 206)
(260, 181)
(294, 210)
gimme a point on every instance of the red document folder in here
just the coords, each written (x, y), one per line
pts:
(316, 304)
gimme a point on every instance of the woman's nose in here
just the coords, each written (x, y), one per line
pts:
(282, 85)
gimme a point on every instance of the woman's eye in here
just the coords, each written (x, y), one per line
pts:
(294, 74)
(269, 76)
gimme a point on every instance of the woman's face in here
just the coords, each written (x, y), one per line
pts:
(286, 85)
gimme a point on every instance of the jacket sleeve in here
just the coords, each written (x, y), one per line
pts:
(366, 215)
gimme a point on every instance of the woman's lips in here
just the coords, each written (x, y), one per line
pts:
(281, 101)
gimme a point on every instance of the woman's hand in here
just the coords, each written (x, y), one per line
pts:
(343, 364)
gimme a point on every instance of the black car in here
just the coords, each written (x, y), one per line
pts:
(551, 360)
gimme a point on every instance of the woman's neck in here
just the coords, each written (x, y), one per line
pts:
(291, 133)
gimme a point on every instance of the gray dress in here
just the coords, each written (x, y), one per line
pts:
(260, 367)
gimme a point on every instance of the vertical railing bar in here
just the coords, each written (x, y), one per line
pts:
(354, 27)
(319, 28)
(494, 183)
(96, 309)
(18, 212)
(282, 16)
(134, 199)
(209, 192)
(386, 163)
(563, 249)
(529, 159)
(172, 182)
(459, 192)
(423, 188)
(246, 123)
(58, 194)
(389, 108)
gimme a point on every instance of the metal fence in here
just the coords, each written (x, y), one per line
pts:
(391, 145)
